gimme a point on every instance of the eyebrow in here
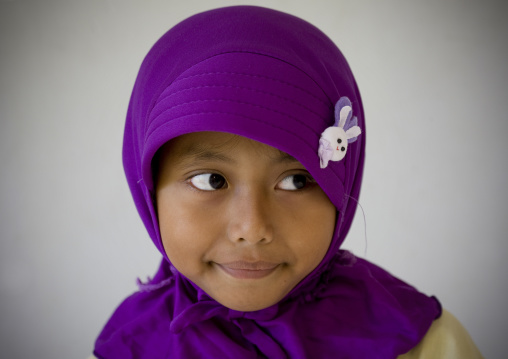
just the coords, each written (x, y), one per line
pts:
(205, 153)
(202, 153)
(285, 157)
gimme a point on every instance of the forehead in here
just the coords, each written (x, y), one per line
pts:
(218, 146)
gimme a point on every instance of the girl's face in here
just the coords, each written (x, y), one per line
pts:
(242, 220)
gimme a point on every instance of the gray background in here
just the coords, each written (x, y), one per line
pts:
(434, 82)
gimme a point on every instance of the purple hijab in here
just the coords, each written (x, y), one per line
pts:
(274, 78)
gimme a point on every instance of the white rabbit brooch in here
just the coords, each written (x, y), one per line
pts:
(335, 139)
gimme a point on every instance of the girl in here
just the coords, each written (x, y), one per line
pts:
(244, 149)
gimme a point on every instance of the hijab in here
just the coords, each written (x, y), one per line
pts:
(276, 79)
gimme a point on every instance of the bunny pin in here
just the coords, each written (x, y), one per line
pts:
(334, 140)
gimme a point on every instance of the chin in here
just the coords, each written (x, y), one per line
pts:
(248, 304)
(247, 307)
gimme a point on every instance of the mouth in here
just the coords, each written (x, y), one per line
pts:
(248, 270)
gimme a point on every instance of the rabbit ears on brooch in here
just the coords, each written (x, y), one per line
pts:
(334, 140)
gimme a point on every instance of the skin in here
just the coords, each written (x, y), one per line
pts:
(252, 236)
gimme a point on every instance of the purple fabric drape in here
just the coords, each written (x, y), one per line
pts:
(274, 78)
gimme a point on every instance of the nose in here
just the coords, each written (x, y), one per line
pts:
(250, 220)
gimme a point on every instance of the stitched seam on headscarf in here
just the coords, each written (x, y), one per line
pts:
(167, 84)
(238, 102)
(275, 57)
(256, 76)
(241, 88)
(224, 113)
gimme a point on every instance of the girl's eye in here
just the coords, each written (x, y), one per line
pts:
(294, 182)
(208, 181)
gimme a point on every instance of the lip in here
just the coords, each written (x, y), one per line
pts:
(248, 270)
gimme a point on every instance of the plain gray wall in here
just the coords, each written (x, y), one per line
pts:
(434, 83)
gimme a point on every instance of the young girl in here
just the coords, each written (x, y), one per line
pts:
(244, 149)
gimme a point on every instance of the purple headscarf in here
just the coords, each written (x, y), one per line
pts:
(274, 78)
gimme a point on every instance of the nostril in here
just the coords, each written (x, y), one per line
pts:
(261, 240)
(249, 220)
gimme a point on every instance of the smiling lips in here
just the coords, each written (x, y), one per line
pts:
(248, 270)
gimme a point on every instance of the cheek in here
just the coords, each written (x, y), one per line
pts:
(320, 228)
(185, 242)
(311, 230)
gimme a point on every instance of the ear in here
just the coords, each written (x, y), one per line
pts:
(345, 113)
(352, 133)
(351, 123)
(342, 116)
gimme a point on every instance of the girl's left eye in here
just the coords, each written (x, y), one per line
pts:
(208, 181)
(294, 182)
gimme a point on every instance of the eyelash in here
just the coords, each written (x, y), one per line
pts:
(308, 181)
(203, 179)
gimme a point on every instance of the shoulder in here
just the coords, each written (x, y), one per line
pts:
(446, 338)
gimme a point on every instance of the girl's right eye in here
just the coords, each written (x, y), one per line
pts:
(208, 181)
